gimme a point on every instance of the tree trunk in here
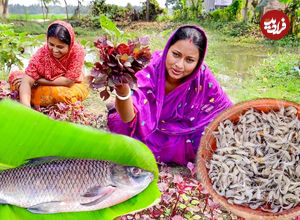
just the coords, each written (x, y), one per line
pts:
(1, 7)
(194, 8)
(197, 8)
(77, 11)
(246, 12)
(66, 4)
(147, 10)
(293, 18)
(47, 9)
(43, 9)
(5, 9)
(261, 13)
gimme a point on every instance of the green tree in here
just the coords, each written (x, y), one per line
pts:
(76, 14)
(187, 9)
(260, 8)
(245, 9)
(230, 13)
(98, 7)
(113, 12)
(154, 10)
(293, 11)
(196, 8)
(44, 4)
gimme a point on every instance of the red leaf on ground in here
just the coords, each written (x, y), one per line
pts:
(178, 217)
(192, 168)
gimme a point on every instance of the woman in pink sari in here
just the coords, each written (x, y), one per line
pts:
(54, 73)
(176, 99)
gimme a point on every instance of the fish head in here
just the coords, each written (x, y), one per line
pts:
(131, 178)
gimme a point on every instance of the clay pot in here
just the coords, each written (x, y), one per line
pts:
(208, 146)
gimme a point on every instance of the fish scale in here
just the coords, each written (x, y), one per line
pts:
(26, 176)
(63, 185)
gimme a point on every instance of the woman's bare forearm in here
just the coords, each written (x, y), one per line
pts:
(124, 107)
(61, 81)
(25, 90)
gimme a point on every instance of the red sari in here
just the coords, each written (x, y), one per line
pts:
(44, 65)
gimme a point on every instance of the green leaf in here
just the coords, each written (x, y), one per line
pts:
(195, 202)
(182, 206)
(110, 26)
(22, 34)
(26, 133)
(88, 64)
(185, 198)
(285, 1)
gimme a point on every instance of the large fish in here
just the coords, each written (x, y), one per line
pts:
(54, 184)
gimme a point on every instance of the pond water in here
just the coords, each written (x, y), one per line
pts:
(237, 60)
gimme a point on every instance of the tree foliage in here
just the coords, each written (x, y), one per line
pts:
(13, 46)
(293, 11)
(113, 12)
(230, 13)
(154, 10)
(182, 10)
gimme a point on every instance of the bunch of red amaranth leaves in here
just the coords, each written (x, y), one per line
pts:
(118, 63)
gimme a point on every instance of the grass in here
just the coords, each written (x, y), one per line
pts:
(277, 77)
(24, 17)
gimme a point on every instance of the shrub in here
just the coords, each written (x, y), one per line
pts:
(230, 13)
(13, 46)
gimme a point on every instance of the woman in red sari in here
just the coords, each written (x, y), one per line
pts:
(54, 73)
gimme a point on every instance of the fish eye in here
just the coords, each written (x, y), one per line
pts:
(135, 171)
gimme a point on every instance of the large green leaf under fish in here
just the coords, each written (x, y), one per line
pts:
(25, 133)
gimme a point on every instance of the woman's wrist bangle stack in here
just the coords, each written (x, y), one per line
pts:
(123, 98)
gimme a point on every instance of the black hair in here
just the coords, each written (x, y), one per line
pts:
(187, 33)
(60, 32)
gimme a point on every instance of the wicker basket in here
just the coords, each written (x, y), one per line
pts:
(208, 145)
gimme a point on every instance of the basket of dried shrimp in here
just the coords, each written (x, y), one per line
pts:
(249, 159)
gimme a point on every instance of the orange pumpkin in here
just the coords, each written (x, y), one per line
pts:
(49, 95)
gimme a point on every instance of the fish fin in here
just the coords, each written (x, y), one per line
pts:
(37, 160)
(102, 192)
(46, 207)
(93, 191)
(97, 190)
(2, 201)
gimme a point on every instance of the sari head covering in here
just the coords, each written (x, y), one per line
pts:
(44, 65)
(171, 125)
